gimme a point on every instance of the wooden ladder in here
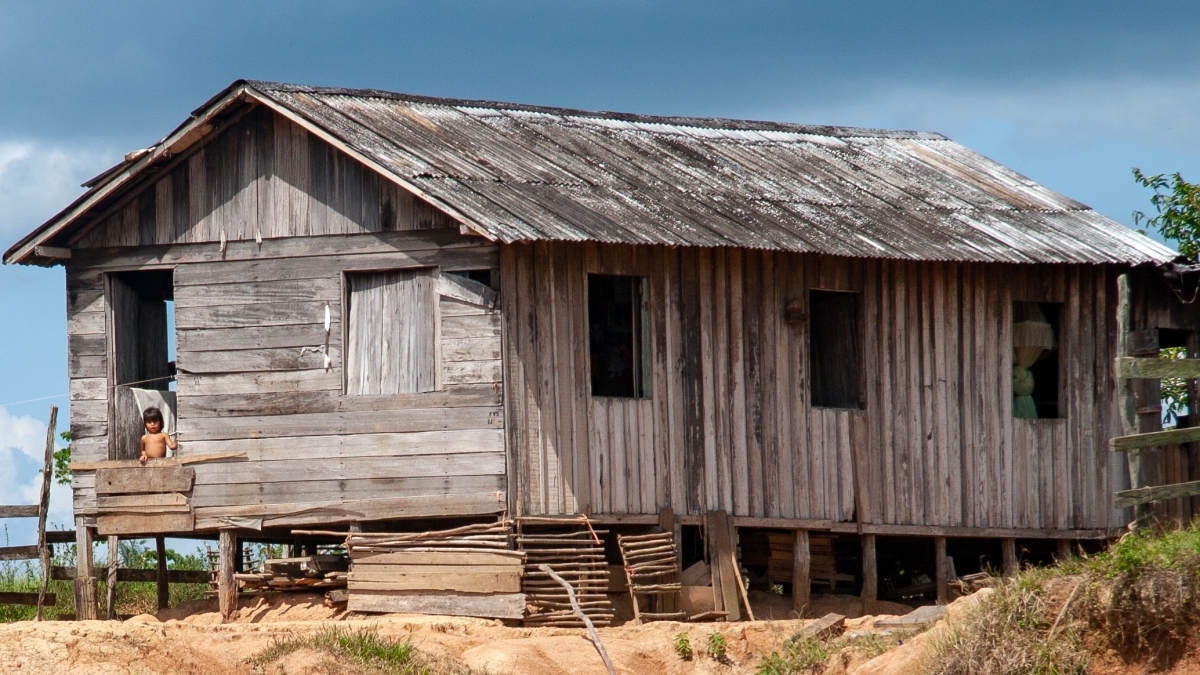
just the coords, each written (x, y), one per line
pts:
(1132, 367)
(652, 566)
(40, 551)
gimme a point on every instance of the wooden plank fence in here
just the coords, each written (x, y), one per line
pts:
(41, 550)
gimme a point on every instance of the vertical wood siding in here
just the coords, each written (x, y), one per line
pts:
(263, 177)
(729, 425)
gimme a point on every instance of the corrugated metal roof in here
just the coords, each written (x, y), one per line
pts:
(524, 173)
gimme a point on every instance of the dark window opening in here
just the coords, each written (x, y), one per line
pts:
(142, 350)
(619, 336)
(1036, 348)
(833, 354)
(489, 278)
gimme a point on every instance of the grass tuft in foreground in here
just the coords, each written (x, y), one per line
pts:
(363, 651)
(802, 656)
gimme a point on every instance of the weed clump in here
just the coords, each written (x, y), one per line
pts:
(364, 651)
(803, 656)
(683, 646)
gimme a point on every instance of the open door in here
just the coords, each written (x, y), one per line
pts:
(139, 349)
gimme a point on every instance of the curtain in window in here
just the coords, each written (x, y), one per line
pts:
(1032, 335)
(390, 345)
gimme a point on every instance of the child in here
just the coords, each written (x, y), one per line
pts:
(155, 442)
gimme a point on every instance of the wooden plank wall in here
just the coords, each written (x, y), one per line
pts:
(263, 176)
(251, 337)
(728, 424)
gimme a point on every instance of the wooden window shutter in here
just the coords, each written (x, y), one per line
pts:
(390, 345)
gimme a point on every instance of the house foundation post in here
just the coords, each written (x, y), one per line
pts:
(870, 584)
(226, 584)
(85, 578)
(801, 573)
(164, 589)
(1008, 554)
(942, 565)
(114, 562)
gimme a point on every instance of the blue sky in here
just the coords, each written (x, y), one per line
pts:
(1072, 94)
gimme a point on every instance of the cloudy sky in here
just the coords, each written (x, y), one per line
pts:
(1072, 94)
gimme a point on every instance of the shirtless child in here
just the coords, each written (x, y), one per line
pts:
(155, 442)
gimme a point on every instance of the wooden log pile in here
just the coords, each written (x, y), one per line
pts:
(466, 571)
(307, 573)
(576, 553)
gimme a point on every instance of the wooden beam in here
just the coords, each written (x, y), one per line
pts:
(144, 480)
(1157, 369)
(126, 574)
(497, 606)
(801, 573)
(974, 532)
(52, 252)
(1127, 401)
(870, 584)
(152, 463)
(164, 589)
(942, 565)
(227, 591)
(1159, 493)
(1008, 552)
(1154, 439)
(114, 562)
(19, 553)
(145, 523)
(85, 579)
(19, 511)
(44, 509)
(1062, 550)
(28, 599)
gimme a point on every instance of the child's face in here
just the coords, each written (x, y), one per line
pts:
(154, 426)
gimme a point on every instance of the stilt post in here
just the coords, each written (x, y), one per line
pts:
(226, 584)
(114, 562)
(1062, 550)
(1008, 553)
(801, 573)
(164, 589)
(942, 564)
(85, 578)
(870, 574)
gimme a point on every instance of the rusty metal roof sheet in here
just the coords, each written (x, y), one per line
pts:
(524, 173)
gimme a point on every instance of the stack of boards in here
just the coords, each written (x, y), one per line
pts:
(576, 553)
(307, 573)
(466, 571)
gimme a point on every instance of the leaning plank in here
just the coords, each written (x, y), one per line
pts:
(826, 626)
(153, 463)
(30, 599)
(135, 481)
(133, 523)
(19, 553)
(1157, 369)
(1147, 495)
(493, 606)
(1154, 439)
(19, 511)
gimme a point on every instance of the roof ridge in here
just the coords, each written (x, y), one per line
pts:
(670, 120)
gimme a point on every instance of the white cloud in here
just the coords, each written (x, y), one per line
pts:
(22, 449)
(37, 180)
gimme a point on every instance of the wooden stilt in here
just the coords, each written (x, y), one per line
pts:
(164, 590)
(942, 565)
(1062, 550)
(85, 578)
(114, 561)
(1008, 552)
(870, 574)
(665, 604)
(226, 584)
(801, 573)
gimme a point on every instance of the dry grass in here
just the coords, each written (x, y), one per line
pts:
(804, 656)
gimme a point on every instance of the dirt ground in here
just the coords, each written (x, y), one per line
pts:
(192, 640)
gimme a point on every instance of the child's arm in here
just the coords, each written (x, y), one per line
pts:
(171, 442)
(142, 459)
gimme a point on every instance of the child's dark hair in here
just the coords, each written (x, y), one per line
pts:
(152, 415)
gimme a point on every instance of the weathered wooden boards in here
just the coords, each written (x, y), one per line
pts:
(467, 571)
(652, 569)
(144, 500)
(721, 545)
(575, 551)
(820, 555)
(311, 573)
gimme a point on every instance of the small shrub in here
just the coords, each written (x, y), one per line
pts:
(801, 655)
(683, 646)
(717, 647)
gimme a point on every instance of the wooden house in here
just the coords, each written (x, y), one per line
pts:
(390, 307)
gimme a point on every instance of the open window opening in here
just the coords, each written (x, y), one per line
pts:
(619, 336)
(1036, 356)
(390, 338)
(142, 347)
(489, 278)
(1174, 394)
(835, 371)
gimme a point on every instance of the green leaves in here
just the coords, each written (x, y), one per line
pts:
(1177, 208)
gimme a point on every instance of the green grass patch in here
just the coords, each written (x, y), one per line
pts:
(363, 651)
(802, 656)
